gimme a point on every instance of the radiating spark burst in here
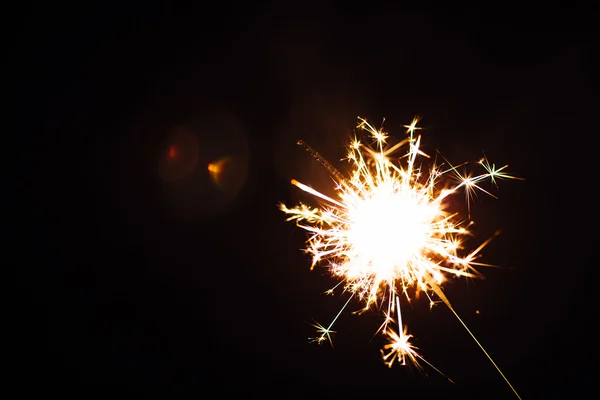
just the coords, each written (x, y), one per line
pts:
(389, 230)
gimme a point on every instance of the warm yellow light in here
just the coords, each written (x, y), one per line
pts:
(388, 230)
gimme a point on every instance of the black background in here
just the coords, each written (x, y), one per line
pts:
(144, 276)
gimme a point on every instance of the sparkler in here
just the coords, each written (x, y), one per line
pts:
(389, 231)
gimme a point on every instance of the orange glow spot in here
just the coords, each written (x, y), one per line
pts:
(179, 156)
(217, 168)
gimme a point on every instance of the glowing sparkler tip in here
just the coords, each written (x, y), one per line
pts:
(388, 229)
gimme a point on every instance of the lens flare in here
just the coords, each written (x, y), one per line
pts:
(389, 231)
(217, 168)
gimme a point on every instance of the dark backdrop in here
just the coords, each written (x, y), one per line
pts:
(157, 141)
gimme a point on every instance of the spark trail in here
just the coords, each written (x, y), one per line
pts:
(388, 232)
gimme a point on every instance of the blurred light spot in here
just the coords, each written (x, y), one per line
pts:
(217, 169)
(204, 164)
(179, 157)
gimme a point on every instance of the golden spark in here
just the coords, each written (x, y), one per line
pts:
(389, 231)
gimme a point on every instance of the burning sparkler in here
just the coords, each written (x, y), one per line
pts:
(389, 231)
